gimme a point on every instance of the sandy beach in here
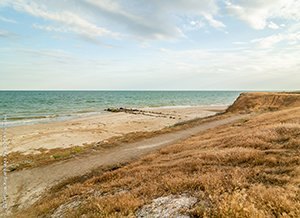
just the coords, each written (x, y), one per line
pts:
(85, 130)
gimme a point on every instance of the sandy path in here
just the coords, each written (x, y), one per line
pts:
(26, 186)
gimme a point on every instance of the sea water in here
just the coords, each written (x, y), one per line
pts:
(25, 107)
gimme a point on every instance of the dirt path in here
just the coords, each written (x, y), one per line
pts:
(26, 186)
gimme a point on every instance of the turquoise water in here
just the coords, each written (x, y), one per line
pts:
(23, 107)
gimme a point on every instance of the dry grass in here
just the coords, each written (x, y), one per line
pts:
(265, 101)
(247, 169)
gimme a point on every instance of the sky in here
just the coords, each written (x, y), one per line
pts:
(150, 44)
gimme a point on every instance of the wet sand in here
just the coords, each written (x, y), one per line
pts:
(96, 128)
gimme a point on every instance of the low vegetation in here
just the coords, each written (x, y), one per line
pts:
(265, 101)
(247, 169)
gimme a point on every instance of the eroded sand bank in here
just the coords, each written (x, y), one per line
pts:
(81, 131)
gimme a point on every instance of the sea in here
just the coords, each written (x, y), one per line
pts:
(28, 107)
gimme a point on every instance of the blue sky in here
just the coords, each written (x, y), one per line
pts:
(150, 44)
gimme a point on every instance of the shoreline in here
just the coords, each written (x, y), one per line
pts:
(15, 121)
(79, 131)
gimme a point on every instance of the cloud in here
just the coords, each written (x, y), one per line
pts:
(270, 41)
(194, 25)
(141, 19)
(142, 25)
(273, 26)
(206, 9)
(48, 53)
(7, 35)
(257, 13)
(155, 19)
(213, 22)
(7, 20)
(263, 14)
(66, 18)
(4, 34)
(50, 28)
(236, 68)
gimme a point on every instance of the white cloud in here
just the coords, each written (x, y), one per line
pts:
(270, 41)
(7, 20)
(156, 19)
(49, 28)
(257, 13)
(245, 68)
(265, 14)
(196, 24)
(142, 25)
(141, 19)
(273, 26)
(67, 18)
(48, 53)
(207, 9)
(213, 22)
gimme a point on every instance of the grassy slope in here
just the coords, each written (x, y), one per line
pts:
(248, 169)
(264, 101)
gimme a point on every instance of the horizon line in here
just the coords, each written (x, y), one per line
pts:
(159, 90)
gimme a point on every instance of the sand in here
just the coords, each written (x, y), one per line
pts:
(85, 130)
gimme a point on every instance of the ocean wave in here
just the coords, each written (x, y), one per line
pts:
(85, 111)
(16, 118)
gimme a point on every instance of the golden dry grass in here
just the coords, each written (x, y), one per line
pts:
(265, 101)
(247, 169)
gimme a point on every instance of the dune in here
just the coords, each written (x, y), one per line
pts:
(264, 101)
